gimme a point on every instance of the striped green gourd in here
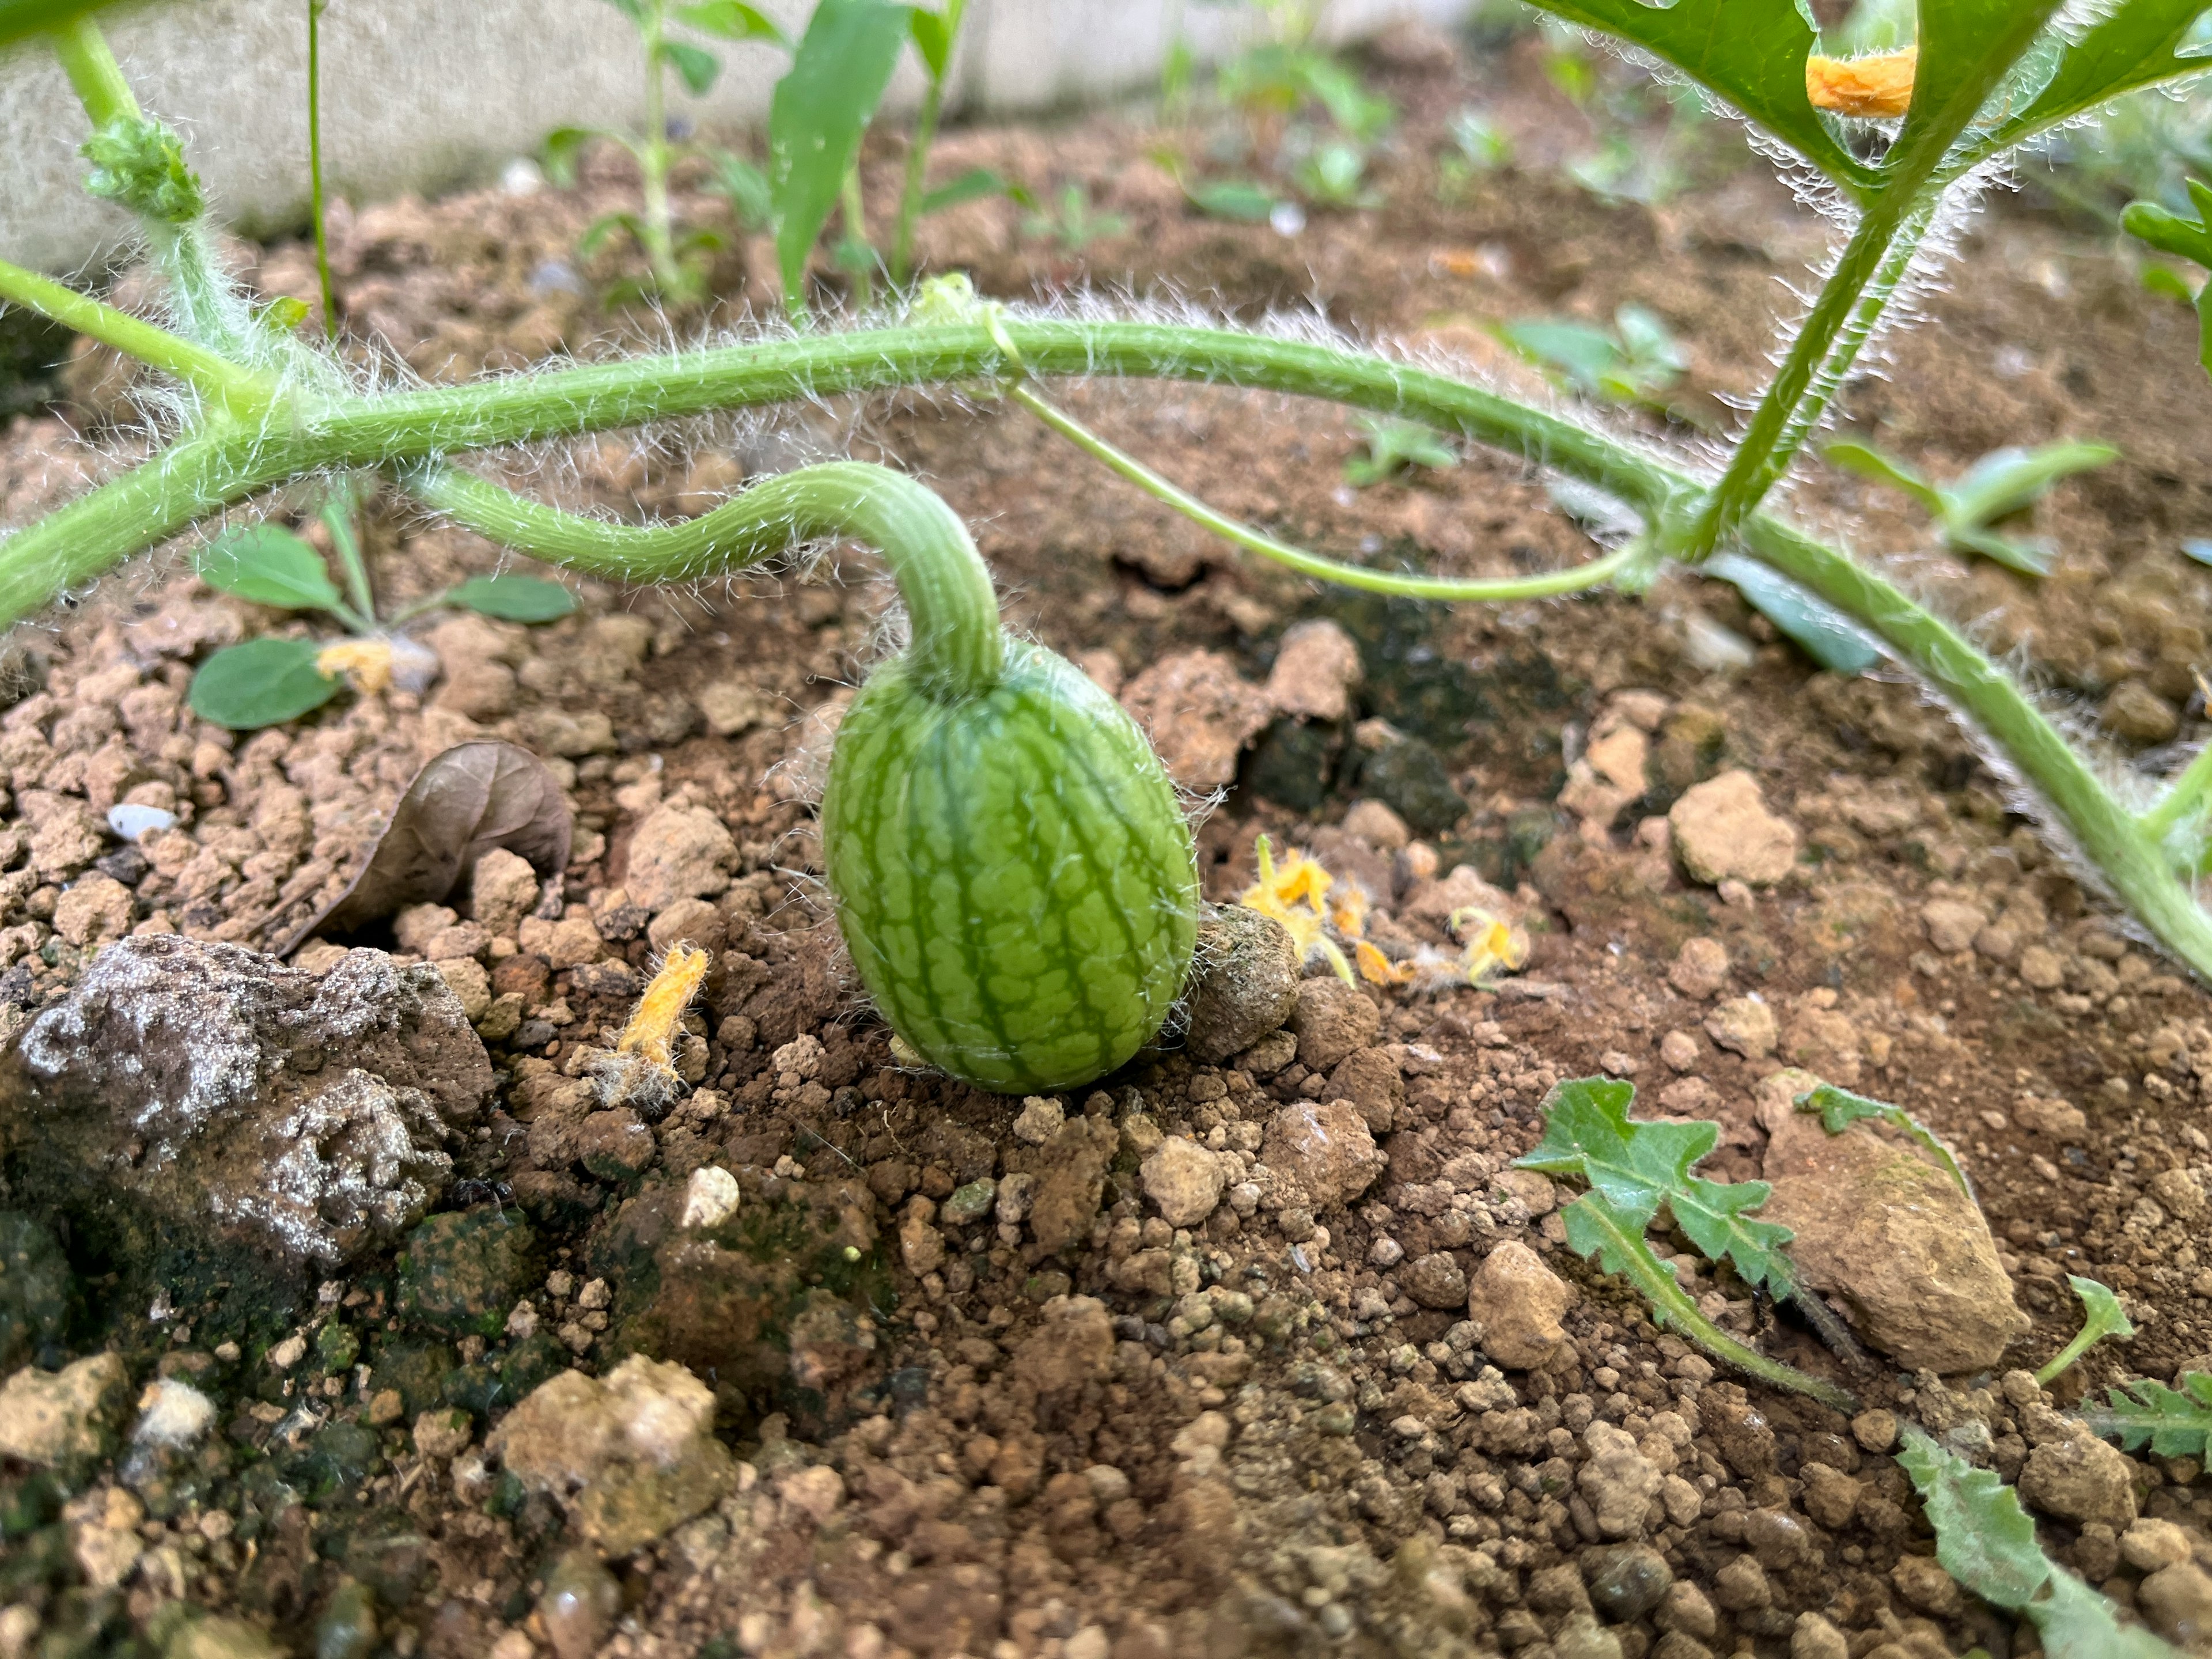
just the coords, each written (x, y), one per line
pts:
(1013, 872)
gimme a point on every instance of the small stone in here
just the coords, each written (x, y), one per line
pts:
(1039, 1120)
(2081, 1478)
(502, 889)
(1875, 1429)
(1617, 1478)
(1372, 822)
(1330, 1020)
(346, 1629)
(1435, 1280)
(1325, 1147)
(615, 1146)
(462, 1271)
(692, 922)
(1923, 1583)
(2041, 968)
(970, 1203)
(1953, 924)
(1244, 982)
(1724, 831)
(1678, 1051)
(1743, 1026)
(678, 852)
(1517, 1301)
(2149, 1545)
(733, 706)
(1410, 777)
(2177, 1602)
(1814, 1637)
(1685, 1608)
(2046, 1115)
(922, 1247)
(1315, 667)
(710, 1198)
(444, 1433)
(1073, 1346)
(1199, 714)
(1182, 1180)
(630, 1456)
(95, 909)
(1625, 1581)
(1741, 1586)
(578, 1605)
(289, 1352)
(2133, 711)
(59, 1418)
(1701, 968)
(1580, 1637)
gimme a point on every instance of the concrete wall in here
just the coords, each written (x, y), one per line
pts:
(425, 94)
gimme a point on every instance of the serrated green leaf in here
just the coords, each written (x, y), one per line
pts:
(819, 110)
(2172, 1422)
(268, 565)
(1749, 53)
(696, 64)
(1839, 1108)
(1822, 632)
(729, 20)
(1985, 1541)
(2101, 1316)
(514, 598)
(970, 186)
(2006, 480)
(1636, 1167)
(261, 683)
(2137, 43)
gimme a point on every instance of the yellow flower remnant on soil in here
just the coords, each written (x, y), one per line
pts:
(367, 662)
(1318, 911)
(651, 1032)
(1863, 86)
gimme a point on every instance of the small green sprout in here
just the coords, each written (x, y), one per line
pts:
(1839, 1108)
(1632, 362)
(2187, 238)
(266, 681)
(1239, 199)
(2002, 483)
(2172, 1422)
(1333, 174)
(2101, 1316)
(1073, 222)
(1393, 445)
(1633, 1169)
(1985, 1541)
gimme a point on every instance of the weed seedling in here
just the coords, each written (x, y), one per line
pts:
(2101, 1316)
(266, 681)
(2186, 239)
(1072, 223)
(1839, 1108)
(2001, 483)
(1634, 361)
(1394, 445)
(2172, 1422)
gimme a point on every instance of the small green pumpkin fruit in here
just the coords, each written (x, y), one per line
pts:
(1013, 874)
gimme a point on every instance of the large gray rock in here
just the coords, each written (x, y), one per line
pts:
(218, 1096)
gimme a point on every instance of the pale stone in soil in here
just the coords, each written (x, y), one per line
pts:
(1517, 1301)
(1723, 830)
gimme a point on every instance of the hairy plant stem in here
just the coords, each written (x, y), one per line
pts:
(224, 383)
(208, 469)
(954, 612)
(94, 74)
(1632, 1257)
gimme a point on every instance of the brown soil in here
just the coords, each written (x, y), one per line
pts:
(1326, 1465)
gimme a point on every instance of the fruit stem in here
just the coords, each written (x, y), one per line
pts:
(959, 647)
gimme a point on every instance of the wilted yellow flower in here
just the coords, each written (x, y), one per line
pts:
(1492, 945)
(1293, 894)
(651, 1032)
(1865, 87)
(368, 662)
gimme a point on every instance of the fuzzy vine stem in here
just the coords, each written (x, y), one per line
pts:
(94, 74)
(215, 378)
(1627, 1254)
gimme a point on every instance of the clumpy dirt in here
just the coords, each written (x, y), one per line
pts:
(1273, 1356)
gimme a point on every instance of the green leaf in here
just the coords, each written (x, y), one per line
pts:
(268, 565)
(2006, 480)
(819, 111)
(1393, 445)
(1825, 633)
(2101, 1316)
(1233, 198)
(934, 32)
(752, 203)
(697, 66)
(20, 19)
(2027, 557)
(261, 683)
(1839, 1108)
(2172, 1422)
(1870, 463)
(562, 149)
(1749, 53)
(596, 234)
(729, 20)
(1967, 47)
(971, 186)
(2137, 43)
(1636, 1167)
(1985, 1541)
(2169, 232)
(514, 598)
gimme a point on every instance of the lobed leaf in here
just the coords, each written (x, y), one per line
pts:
(1749, 53)
(261, 683)
(2172, 1422)
(2135, 44)
(1639, 1166)
(1985, 1541)
(820, 108)
(268, 565)
(1839, 1108)
(514, 598)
